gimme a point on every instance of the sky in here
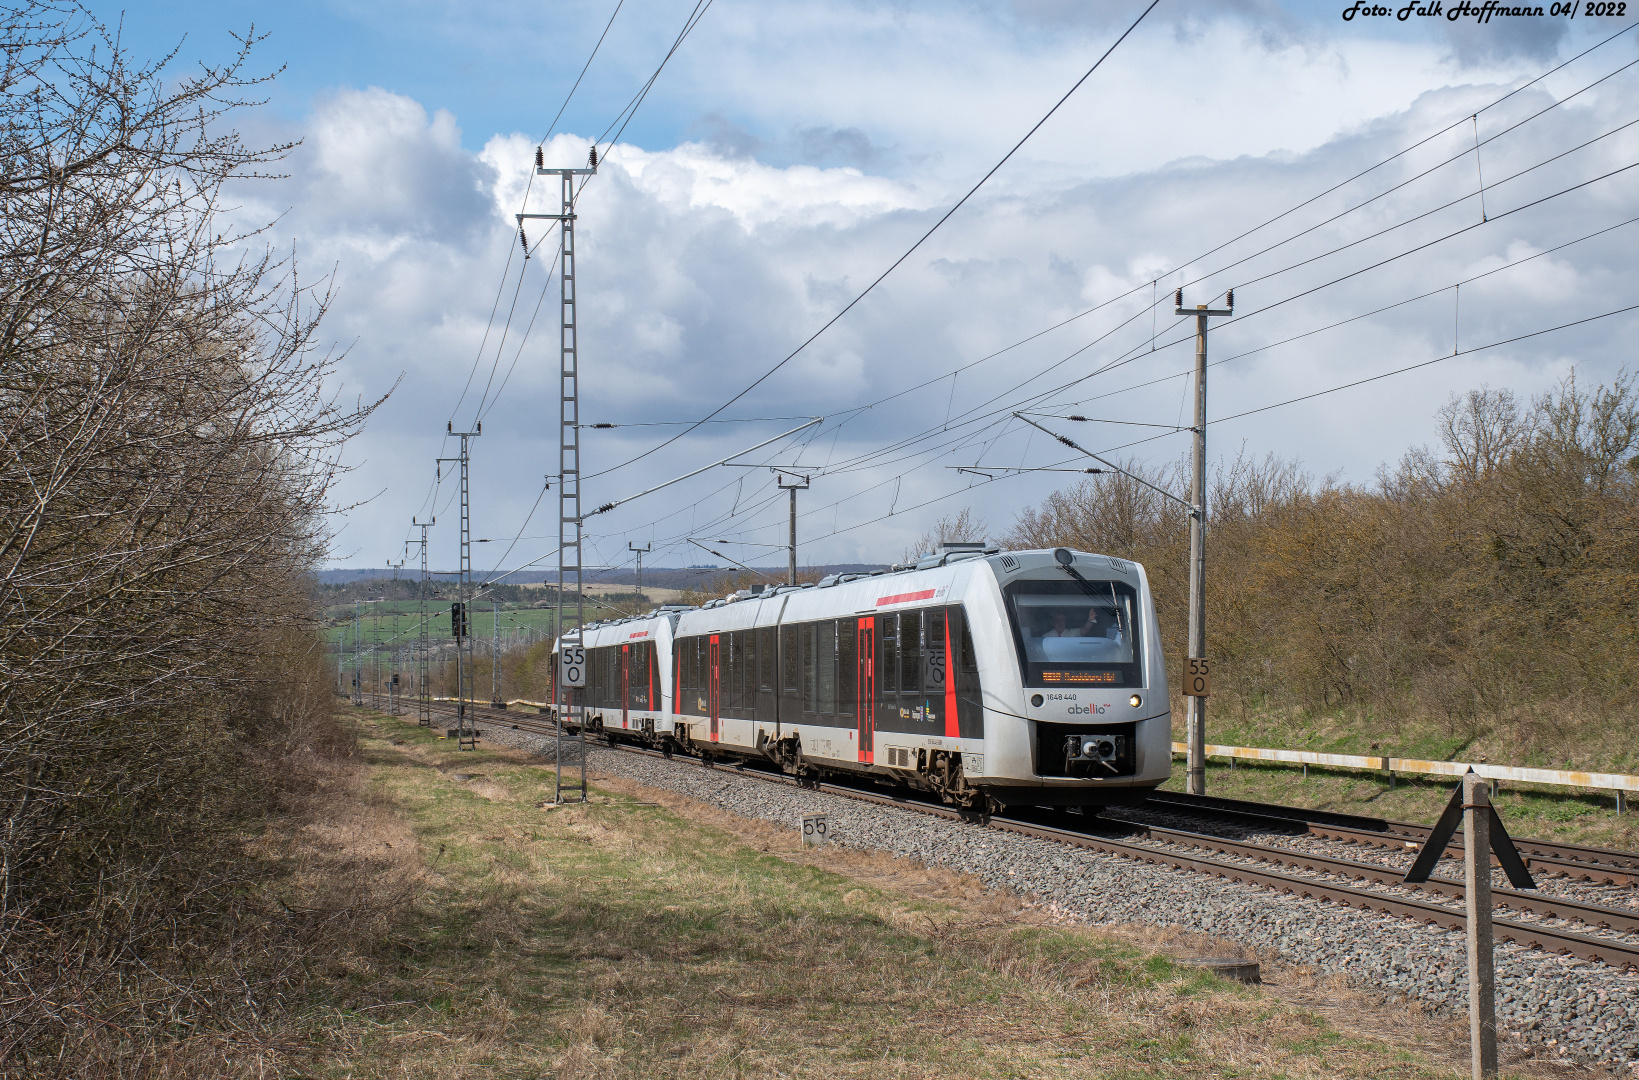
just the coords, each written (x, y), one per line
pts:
(1381, 193)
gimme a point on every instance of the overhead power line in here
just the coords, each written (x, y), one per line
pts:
(832, 321)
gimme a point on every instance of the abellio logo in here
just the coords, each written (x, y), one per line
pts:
(1088, 710)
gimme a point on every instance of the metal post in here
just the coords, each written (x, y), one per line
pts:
(398, 655)
(424, 700)
(570, 712)
(466, 735)
(793, 488)
(495, 655)
(358, 668)
(1196, 715)
(639, 551)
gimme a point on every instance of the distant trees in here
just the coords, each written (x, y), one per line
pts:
(1472, 584)
(964, 526)
(166, 448)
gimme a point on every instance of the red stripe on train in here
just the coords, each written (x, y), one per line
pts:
(905, 597)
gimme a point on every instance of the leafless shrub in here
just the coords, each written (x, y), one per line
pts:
(1472, 585)
(167, 450)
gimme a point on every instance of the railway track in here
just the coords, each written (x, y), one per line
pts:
(1574, 861)
(1265, 866)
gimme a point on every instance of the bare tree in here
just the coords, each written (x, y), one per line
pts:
(964, 526)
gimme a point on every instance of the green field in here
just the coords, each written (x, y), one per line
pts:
(400, 620)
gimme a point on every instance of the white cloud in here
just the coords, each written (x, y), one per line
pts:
(700, 266)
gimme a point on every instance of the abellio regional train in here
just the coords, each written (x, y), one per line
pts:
(1025, 678)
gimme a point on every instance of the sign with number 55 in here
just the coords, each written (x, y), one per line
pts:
(1197, 680)
(571, 665)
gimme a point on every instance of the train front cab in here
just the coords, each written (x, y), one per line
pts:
(1085, 713)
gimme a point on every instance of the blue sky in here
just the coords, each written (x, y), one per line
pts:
(789, 153)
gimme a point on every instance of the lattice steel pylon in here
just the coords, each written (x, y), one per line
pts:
(569, 706)
(495, 656)
(424, 694)
(466, 735)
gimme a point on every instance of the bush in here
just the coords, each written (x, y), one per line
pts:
(168, 449)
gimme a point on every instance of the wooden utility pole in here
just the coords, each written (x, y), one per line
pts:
(1196, 703)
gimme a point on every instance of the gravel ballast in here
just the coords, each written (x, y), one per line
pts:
(1571, 1009)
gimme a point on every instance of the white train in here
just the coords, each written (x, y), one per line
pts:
(987, 678)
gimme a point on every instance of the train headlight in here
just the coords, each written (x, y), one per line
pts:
(1135, 701)
(1036, 699)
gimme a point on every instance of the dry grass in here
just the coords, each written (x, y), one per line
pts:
(643, 935)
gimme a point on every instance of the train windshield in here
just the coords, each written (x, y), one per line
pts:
(1071, 633)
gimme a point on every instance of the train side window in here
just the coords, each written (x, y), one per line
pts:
(788, 658)
(707, 675)
(737, 673)
(765, 658)
(887, 656)
(810, 689)
(611, 677)
(693, 682)
(910, 652)
(847, 668)
(828, 668)
(730, 660)
(933, 659)
(702, 665)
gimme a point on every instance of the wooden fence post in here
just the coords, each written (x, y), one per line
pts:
(1482, 985)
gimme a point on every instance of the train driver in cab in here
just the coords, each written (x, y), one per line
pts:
(1086, 629)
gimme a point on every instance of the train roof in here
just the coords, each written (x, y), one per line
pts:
(949, 554)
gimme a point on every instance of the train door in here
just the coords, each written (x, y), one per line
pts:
(651, 668)
(865, 706)
(625, 685)
(714, 696)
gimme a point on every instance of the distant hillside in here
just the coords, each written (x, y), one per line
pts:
(659, 576)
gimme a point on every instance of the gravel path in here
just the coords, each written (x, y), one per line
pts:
(1567, 1008)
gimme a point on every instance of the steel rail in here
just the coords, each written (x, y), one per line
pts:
(1594, 915)
(1530, 853)
(1576, 861)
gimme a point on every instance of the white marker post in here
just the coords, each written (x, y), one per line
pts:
(1482, 985)
(815, 830)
